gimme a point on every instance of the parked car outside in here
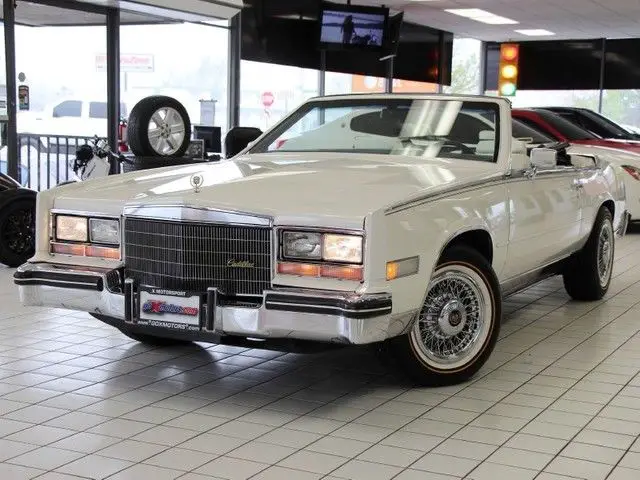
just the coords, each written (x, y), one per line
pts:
(623, 155)
(390, 224)
(594, 122)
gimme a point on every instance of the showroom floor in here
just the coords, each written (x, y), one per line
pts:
(560, 395)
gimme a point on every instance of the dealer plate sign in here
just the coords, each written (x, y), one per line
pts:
(169, 309)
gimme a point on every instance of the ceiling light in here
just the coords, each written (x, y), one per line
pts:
(481, 16)
(535, 32)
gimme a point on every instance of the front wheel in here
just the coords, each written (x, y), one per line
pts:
(588, 274)
(459, 322)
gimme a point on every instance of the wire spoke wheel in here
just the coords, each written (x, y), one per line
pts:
(455, 320)
(605, 253)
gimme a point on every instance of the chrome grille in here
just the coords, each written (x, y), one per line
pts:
(195, 256)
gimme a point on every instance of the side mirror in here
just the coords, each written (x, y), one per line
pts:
(238, 138)
(544, 158)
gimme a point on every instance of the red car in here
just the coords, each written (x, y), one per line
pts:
(564, 131)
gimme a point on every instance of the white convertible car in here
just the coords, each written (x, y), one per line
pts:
(357, 219)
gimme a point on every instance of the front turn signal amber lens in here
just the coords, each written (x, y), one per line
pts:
(102, 252)
(339, 272)
(392, 270)
(342, 273)
(299, 269)
(68, 249)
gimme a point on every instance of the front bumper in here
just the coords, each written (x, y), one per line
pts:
(335, 317)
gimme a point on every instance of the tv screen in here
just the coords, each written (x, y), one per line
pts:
(349, 26)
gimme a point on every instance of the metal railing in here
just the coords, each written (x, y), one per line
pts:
(47, 160)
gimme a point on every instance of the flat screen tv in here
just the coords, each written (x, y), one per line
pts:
(353, 27)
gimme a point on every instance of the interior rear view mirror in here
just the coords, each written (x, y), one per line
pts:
(238, 138)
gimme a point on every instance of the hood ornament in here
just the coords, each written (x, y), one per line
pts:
(196, 181)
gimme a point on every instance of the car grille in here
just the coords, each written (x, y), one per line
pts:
(195, 256)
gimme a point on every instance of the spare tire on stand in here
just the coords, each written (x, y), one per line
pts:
(159, 126)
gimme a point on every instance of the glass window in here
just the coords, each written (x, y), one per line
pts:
(465, 66)
(417, 128)
(69, 108)
(623, 107)
(519, 129)
(268, 92)
(186, 61)
(569, 130)
(99, 110)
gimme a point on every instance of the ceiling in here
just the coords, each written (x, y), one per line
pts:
(568, 19)
(131, 12)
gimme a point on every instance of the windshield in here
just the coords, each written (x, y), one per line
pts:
(567, 129)
(444, 128)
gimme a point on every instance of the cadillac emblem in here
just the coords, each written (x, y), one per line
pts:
(233, 263)
(196, 182)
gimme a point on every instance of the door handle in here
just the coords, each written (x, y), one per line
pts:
(577, 184)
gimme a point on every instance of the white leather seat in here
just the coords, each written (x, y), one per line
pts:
(486, 143)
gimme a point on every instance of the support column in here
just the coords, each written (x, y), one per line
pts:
(482, 84)
(8, 8)
(388, 87)
(113, 82)
(603, 63)
(233, 75)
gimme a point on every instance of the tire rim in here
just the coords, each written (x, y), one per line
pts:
(18, 232)
(455, 320)
(166, 131)
(605, 253)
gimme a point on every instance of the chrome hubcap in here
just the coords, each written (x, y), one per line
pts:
(605, 253)
(453, 323)
(452, 318)
(166, 131)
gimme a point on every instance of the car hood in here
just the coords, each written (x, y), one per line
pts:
(307, 187)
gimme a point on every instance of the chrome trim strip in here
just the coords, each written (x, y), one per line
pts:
(332, 307)
(25, 281)
(83, 213)
(495, 179)
(189, 213)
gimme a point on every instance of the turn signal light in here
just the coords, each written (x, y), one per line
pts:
(339, 272)
(508, 69)
(80, 250)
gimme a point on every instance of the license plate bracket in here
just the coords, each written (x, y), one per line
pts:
(176, 310)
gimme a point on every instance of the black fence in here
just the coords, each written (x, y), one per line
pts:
(47, 160)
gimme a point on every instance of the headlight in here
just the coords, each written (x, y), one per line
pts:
(102, 230)
(327, 247)
(342, 248)
(72, 229)
(302, 245)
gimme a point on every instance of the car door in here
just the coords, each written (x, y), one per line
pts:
(545, 218)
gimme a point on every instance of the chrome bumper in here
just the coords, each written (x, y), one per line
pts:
(281, 314)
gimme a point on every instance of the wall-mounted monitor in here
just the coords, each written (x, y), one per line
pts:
(356, 27)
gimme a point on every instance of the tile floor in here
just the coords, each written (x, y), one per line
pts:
(558, 400)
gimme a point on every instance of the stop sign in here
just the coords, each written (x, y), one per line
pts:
(267, 99)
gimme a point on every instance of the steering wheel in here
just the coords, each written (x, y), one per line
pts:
(453, 145)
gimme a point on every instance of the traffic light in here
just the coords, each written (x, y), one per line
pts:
(508, 69)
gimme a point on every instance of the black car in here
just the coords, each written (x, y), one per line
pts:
(17, 222)
(594, 122)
